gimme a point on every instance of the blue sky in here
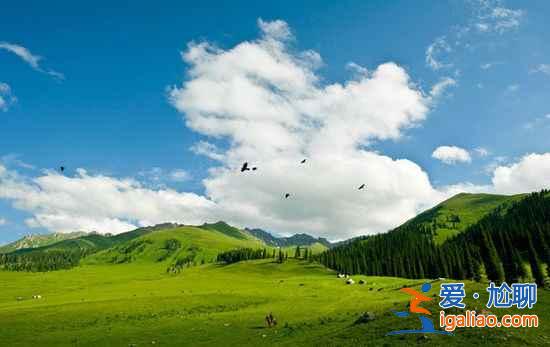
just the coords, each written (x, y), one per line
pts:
(111, 113)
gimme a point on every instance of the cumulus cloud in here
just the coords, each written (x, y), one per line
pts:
(6, 97)
(96, 202)
(530, 173)
(30, 58)
(451, 155)
(273, 108)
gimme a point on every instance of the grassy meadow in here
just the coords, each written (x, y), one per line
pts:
(138, 304)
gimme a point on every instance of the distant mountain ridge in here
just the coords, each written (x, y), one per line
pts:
(40, 240)
(294, 240)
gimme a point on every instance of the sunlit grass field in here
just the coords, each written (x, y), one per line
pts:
(139, 304)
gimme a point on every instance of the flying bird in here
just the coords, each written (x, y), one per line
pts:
(303, 161)
(361, 186)
(245, 167)
(62, 168)
(287, 195)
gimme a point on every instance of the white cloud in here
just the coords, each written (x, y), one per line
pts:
(512, 88)
(491, 16)
(357, 69)
(542, 68)
(179, 175)
(30, 58)
(486, 66)
(537, 123)
(6, 97)
(451, 155)
(481, 151)
(439, 88)
(435, 50)
(271, 106)
(530, 173)
(276, 29)
(158, 178)
(3, 221)
(483, 17)
(100, 203)
(208, 150)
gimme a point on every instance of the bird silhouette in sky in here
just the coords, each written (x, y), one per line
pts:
(245, 167)
(303, 161)
(361, 186)
(254, 168)
(62, 168)
(287, 195)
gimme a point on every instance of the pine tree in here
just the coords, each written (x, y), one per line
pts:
(297, 252)
(534, 260)
(493, 266)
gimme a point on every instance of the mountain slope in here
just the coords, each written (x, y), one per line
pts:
(35, 241)
(512, 243)
(178, 246)
(68, 253)
(457, 213)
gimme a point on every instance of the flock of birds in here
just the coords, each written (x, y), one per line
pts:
(245, 167)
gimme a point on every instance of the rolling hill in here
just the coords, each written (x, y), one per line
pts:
(457, 213)
(179, 246)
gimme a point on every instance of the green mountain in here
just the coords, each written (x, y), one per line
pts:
(68, 253)
(510, 242)
(294, 240)
(454, 215)
(35, 241)
(179, 246)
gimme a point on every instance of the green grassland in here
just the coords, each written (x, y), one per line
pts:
(123, 295)
(470, 208)
(215, 305)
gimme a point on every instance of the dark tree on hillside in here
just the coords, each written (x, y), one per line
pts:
(297, 252)
(536, 266)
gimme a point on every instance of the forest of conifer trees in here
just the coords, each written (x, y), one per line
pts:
(509, 244)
